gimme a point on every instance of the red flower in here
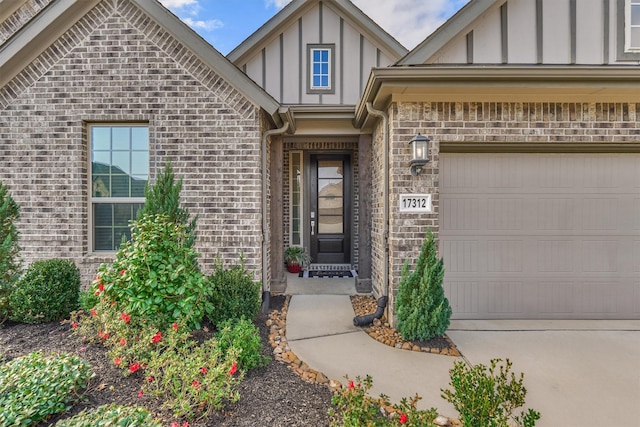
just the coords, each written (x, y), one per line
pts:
(195, 384)
(403, 419)
(175, 326)
(150, 379)
(122, 272)
(175, 424)
(74, 325)
(134, 367)
(234, 368)
(123, 341)
(140, 393)
(203, 370)
(100, 287)
(93, 312)
(351, 385)
(117, 361)
(97, 293)
(157, 337)
(125, 317)
(185, 424)
(103, 335)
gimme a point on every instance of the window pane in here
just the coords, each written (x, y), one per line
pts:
(121, 162)
(140, 163)
(101, 138)
(103, 215)
(635, 14)
(330, 225)
(140, 138)
(330, 169)
(121, 138)
(635, 37)
(317, 68)
(316, 56)
(316, 81)
(325, 56)
(102, 157)
(103, 239)
(325, 69)
(324, 81)
(109, 229)
(101, 186)
(137, 187)
(120, 186)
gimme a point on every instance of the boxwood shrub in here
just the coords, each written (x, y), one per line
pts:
(47, 291)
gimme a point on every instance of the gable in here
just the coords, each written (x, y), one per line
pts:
(277, 57)
(527, 32)
(50, 28)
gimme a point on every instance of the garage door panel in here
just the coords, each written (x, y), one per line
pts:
(541, 235)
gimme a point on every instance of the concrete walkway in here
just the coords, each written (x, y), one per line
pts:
(578, 374)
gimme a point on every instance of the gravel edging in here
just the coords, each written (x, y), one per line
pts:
(380, 331)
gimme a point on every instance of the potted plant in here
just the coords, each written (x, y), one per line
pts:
(297, 258)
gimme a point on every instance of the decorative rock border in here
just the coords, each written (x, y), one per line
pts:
(283, 354)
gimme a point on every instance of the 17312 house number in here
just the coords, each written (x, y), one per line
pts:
(415, 203)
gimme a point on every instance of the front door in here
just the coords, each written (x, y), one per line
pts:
(330, 208)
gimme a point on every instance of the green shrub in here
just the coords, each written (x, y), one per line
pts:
(9, 250)
(244, 336)
(422, 309)
(355, 408)
(47, 291)
(34, 386)
(155, 275)
(233, 294)
(88, 299)
(486, 396)
(112, 415)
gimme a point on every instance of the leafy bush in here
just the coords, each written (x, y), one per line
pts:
(34, 386)
(244, 336)
(155, 275)
(356, 408)
(422, 309)
(112, 415)
(9, 250)
(47, 291)
(233, 294)
(88, 299)
(487, 397)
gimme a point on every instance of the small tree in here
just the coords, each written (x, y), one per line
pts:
(164, 198)
(422, 309)
(10, 265)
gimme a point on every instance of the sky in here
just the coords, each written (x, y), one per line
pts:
(227, 23)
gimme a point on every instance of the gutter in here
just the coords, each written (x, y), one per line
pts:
(288, 125)
(385, 195)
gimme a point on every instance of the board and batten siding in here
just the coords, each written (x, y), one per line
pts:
(558, 32)
(281, 66)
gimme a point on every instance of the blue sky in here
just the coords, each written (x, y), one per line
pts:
(226, 23)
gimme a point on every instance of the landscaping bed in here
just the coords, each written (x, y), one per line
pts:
(272, 395)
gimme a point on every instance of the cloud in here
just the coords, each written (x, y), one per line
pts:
(278, 3)
(177, 4)
(209, 25)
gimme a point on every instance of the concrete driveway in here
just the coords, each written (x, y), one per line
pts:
(577, 373)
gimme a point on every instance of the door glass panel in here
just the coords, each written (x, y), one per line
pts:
(330, 197)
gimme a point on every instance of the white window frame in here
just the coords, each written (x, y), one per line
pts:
(330, 49)
(291, 181)
(106, 200)
(628, 26)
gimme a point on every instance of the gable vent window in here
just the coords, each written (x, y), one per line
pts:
(321, 69)
(633, 27)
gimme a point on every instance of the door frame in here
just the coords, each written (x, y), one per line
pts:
(348, 199)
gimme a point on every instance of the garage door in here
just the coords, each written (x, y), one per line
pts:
(541, 236)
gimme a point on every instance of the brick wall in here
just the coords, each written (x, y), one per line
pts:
(13, 23)
(483, 123)
(118, 65)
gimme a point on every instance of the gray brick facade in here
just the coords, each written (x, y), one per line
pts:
(117, 65)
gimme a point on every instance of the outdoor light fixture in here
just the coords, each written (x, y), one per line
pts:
(420, 145)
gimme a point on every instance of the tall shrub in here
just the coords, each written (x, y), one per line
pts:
(47, 291)
(164, 198)
(9, 249)
(422, 309)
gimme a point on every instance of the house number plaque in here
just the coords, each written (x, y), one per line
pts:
(415, 203)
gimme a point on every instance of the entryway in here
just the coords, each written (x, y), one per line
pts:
(320, 286)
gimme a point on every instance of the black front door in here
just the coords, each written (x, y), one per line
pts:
(330, 208)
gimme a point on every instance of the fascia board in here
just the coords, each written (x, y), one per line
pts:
(383, 82)
(448, 31)
(211, 57)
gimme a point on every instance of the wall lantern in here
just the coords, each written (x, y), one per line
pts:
(420, 146)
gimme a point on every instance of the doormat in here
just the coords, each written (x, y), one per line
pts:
(327, 273)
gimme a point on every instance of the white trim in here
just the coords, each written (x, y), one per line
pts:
(291, 178)
(312, 73)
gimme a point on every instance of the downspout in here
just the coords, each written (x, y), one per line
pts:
(382, 301)
(265, 226)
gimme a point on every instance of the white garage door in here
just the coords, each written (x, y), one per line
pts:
(541, 236)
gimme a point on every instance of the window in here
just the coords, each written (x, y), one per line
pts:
(296, 198)
(321, 66)
(633, 26)
(119, 171)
